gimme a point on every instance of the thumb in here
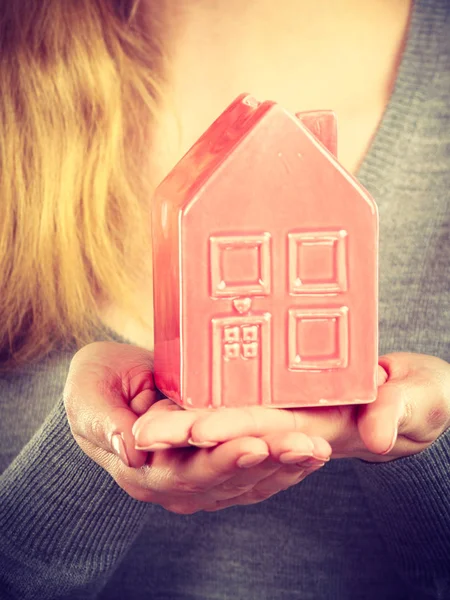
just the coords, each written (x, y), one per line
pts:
(104, 380)
(378, 422)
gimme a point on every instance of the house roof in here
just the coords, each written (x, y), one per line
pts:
(243, 123)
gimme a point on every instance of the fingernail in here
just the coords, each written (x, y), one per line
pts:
(153, 447)
(293, 457)
(251, 460)
(300, 476)
(312, 463)
(392, 444)
(204, 444)
(317, 466)
(322, 459)
(118, 445)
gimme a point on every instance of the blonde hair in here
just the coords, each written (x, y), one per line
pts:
(80, 85)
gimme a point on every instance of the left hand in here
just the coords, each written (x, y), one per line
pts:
(110, 384)
(411, 411)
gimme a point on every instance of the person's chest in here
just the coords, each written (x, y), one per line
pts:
(322, 59)
(347, 64)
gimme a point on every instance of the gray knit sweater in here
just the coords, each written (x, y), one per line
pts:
(352, 531)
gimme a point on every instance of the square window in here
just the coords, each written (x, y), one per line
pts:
(250, 333)
(318, 338)
(231, 351)
(240, 265)
(231, 334)
(250, 350)
(317, 262)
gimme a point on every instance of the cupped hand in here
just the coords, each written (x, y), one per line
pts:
(110, 384)
(412, 409)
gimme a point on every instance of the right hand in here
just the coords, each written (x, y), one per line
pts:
(110, 385)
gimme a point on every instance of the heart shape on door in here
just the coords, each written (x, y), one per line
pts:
(242, 305)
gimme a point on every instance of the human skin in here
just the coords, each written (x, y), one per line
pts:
(342, 56)
(412, 409)
(188, 461)
(109, 385)
(304, 54)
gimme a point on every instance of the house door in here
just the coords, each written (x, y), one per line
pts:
(240, 270)
(241, 361)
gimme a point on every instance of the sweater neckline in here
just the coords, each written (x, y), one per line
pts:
(391, 142)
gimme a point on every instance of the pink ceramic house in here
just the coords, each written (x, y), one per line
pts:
(265, 267)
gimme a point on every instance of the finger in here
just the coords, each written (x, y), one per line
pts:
(102, 380)
(159, 408)
(141, 403)
(292, 453)
(245, 479)
(282, 480)
(379, 421)
(168, 430)
(333, 424)
(382, 375)
(322, 449)
(162, 406)
(164, 426)
(294, 447)
(228, 423)
(187, 480)
(425, 381)
(414, 404)
(285, 449)
(258, 485)
(188, 471)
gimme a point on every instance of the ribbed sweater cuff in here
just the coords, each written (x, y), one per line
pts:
(59, 507)
(410, 499)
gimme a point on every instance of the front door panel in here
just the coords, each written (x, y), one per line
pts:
(241, 360)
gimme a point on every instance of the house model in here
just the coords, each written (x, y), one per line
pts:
(265, 267)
